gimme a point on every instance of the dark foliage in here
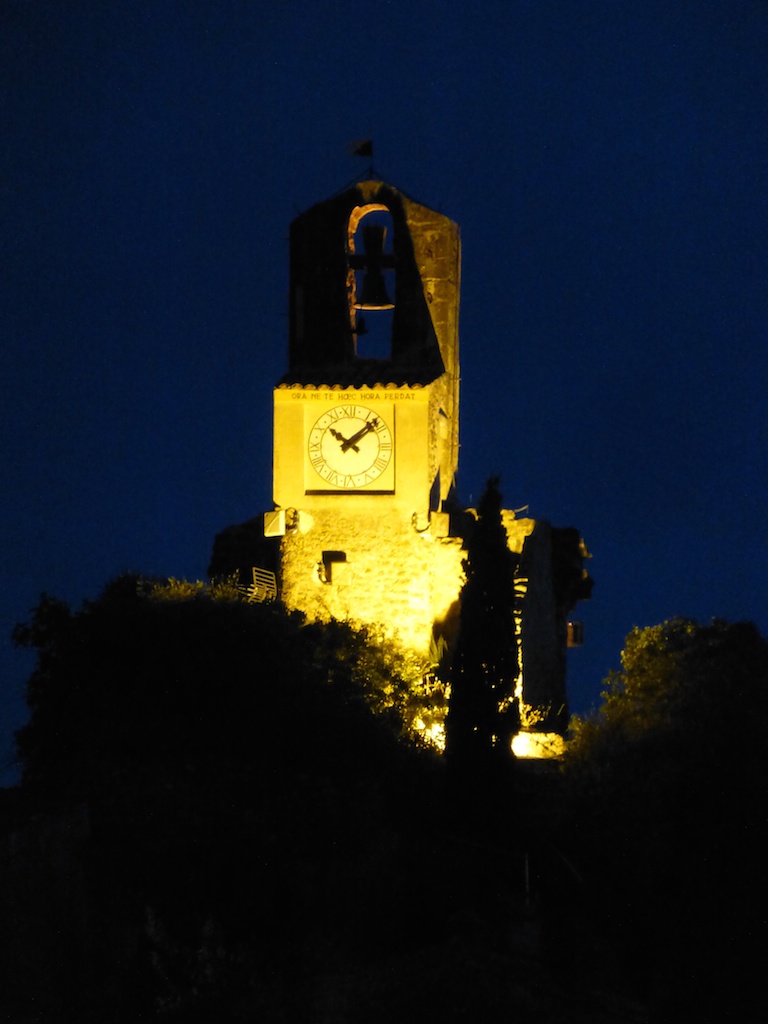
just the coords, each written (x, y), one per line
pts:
(214, 825)
(240, 795)
(666, 793)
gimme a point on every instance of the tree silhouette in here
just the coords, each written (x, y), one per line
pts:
(238, 787)
(213, 824)
(483, 715)
(665, 797)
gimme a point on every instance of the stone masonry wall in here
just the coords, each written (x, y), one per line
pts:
(377, 569)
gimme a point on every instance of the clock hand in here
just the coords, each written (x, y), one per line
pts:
(345, 443)
(369, 426)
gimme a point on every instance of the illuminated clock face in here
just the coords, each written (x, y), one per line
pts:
(350, 446)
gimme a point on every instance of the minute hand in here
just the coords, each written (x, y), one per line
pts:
(369, 426)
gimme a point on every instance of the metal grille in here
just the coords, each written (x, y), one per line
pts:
(264, 586)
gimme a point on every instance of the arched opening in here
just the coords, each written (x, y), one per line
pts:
(371, 280)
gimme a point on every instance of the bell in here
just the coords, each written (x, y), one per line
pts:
(373, 290)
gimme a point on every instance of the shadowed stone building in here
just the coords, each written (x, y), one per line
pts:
(365, 524)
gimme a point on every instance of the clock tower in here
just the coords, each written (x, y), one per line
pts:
(366, 424)
(366, 418)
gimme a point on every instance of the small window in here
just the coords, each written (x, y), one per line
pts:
(330, 562)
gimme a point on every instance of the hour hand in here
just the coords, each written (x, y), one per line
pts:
(345, 444)
(351, 443)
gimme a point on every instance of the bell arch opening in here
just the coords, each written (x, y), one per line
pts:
(371, 280)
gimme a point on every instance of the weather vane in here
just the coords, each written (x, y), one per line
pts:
(363, 148)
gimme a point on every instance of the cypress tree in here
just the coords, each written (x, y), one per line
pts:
(483, 715)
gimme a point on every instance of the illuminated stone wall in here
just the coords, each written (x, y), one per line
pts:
(401, 572)
(374, 568)
(396, 571)
(437, 253)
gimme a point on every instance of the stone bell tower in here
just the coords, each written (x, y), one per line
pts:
(366, 424)
(366, 418)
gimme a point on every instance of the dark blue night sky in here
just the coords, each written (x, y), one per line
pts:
(607, 162)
